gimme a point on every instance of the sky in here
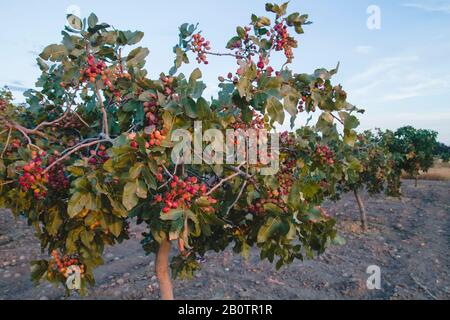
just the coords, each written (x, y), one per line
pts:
(398, 72)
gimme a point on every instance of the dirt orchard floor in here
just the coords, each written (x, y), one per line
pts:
(408, 238)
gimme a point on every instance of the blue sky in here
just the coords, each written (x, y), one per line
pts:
(400, 73)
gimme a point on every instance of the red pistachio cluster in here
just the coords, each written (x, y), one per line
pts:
(98, 156)
(200, 46)
(97, 70)
(65, 262)
(273, 197)
(156, 138)
(57, 178)
(256, 123)
(302, 104)
(33, 176)
(16, 144)
(282, 40)
(151, 111)
(262, 63)
(286, 140)
(182, 193)
(3, 104)
(325, 154)
(154, 118)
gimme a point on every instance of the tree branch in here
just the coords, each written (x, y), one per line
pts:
(81, 119)
(7, 143)
(46, 124)
(105, 115)
(221, 182)
(337, 118)
(237, 56)
(68, 154)
(237, 198)
(25, 132)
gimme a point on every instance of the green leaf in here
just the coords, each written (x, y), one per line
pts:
(92, 20)
(74, 22)
(55, 221)
(134, 37)
(314, 214)
(2, 167)
(116, 227)
(135, 171)
(141, 189)
(191, 108)
(195, 75)
(309, 190)
(350, 121)
(279, 10)
(76, 204)
(262, 22)
(275, 110)
(172, 215)
(243, 86)
(232, 42)
(42, 65)
(129, 198)
(241, 32)
(87, 237)
(109, 166)
(350, 137)
(203, 108)
(291, 104)
(137, 57)
(268, 229)
(38, 270)
(54, 52)
(270, 207)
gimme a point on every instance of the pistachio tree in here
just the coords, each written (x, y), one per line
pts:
(92, 150)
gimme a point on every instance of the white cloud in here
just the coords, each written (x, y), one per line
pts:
(443, 7)
(396, 78)
(413, 90)
(363, 49)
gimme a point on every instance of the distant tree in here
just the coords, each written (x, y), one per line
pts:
(442, 151)
(374, 170)
(412, 149)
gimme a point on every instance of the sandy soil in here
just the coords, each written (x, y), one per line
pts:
(409, 239)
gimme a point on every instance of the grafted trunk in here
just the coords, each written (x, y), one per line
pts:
(162, 270)
(362, 211)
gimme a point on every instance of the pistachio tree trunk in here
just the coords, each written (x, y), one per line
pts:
(362, 211)
(162, 270)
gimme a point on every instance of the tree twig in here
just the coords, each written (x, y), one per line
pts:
(68, 154)
(237, 56)
(237, 198)
(25, 134)
(337, 118)
(6, 183)
(105, 115)
(46, 124)
(7, 143)
(81, 119)
(221, 182)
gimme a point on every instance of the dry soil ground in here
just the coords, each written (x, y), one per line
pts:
(409, 239)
